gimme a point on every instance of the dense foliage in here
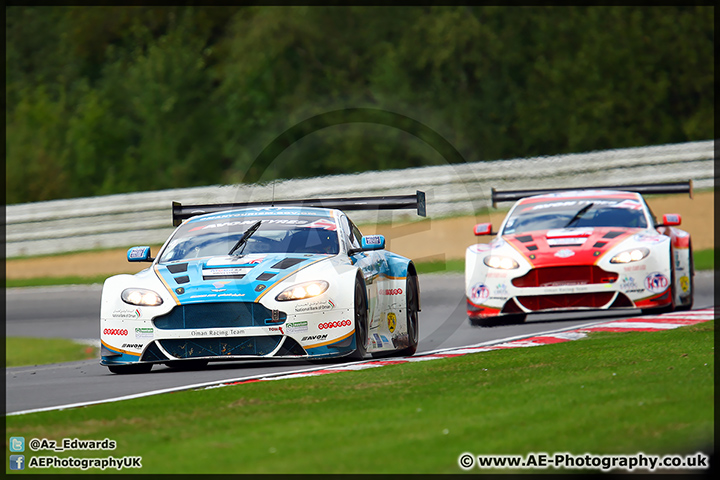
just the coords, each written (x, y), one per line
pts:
(113, 99)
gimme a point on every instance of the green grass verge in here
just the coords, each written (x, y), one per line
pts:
(53, 281)
(614, 393)
(704, 259)
(21, 351)
(449, 266)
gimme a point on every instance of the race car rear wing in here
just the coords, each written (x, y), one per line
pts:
(650, 188)
(389, 202)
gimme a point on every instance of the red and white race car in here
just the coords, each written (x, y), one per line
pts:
(583, 249)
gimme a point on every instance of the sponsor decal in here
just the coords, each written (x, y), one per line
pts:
(137, 252)
(565, 253)
(479, 293)
(373, 240)
(685, 283)
(391, 291)
(217, 272)
(641, 237)
(180, 290)
(570, 233)
(566, 241)
(275, 329)
(246, 222)
(328, 325)
(313, 337)
(635, 268)
(314, 306)
(500, 292)
(543, 206)
(656, 282)
(392, 321)
(296, 327)
(260, 287)
(217, 333)
(227, 295)
(144, 332)
(384, 339)
(376, 340)
(492, 274)
(629, 204)
(136, 346)
(115, 331)
(322, 224)
(628, 285)
(126, 313)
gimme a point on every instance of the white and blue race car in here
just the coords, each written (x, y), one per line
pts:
(295, 279)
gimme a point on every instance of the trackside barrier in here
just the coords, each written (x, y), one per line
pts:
(461, 189)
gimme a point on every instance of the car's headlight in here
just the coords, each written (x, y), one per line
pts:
(630, 255)
(141, 296)
(303, 290)
(503, 263)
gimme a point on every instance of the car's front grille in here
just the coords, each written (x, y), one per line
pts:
(219, 315)
(570, 275)
(221, 346)
(565, 301)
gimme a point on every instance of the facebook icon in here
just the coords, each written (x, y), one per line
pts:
(17, 462)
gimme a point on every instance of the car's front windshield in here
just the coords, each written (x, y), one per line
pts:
(572, 213)
(218, 235)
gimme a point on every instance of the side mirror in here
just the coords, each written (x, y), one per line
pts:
(671, 219)
(483, 229)
(373, 242)
(139, 254)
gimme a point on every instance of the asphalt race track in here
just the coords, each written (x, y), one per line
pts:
(73, 312)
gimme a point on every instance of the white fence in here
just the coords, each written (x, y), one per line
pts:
(145, 218)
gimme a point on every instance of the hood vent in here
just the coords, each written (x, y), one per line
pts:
(177, 268)
(266, 276)
(287, 263)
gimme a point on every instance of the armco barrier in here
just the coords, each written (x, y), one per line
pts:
(460, 189)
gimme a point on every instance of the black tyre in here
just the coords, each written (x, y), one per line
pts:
(361, 323)
(130, 369)
(412, 300)
(187, 365)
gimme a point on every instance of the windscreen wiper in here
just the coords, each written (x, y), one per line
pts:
(579, 214)
(245, 236)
